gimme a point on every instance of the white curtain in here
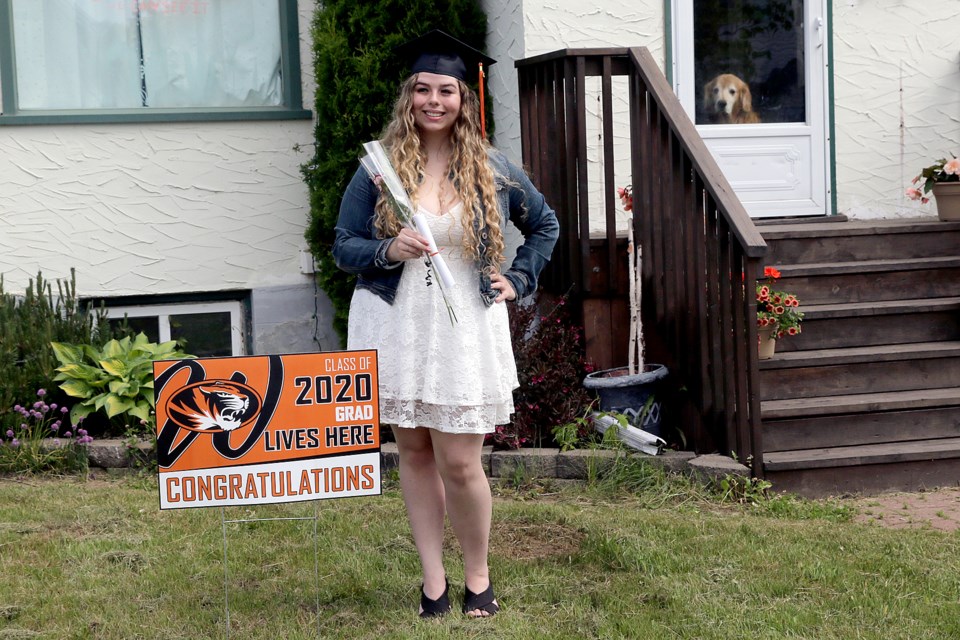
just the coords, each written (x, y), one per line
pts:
(86, 54)
(75, 54)
(228, 55)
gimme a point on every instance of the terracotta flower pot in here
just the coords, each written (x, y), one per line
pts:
(766, 343)
(947, 196)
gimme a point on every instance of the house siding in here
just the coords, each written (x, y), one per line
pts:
(168, 208)
(897, 100)
(896, 81)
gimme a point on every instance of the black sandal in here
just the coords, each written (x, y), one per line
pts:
(434, 608)
(483, 601)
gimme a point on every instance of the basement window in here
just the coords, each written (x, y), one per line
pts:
(209, 329)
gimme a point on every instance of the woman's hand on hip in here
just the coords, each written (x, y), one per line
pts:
(407, 245)
(503, 287)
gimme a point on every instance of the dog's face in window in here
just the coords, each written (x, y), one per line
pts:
(727, 100)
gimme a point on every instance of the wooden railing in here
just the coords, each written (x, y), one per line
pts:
(701, 251)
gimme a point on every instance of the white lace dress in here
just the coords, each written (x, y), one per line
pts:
(456, 378)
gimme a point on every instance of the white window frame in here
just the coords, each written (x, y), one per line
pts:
(163, 312)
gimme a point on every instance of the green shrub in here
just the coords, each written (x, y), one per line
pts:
(357, 74)
(116, 380)
(28, 324)
(551, 365)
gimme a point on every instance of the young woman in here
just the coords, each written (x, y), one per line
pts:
(443, 383)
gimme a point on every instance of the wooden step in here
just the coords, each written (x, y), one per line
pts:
(865, 469)
(870, 418)
(809, 242)
(857, 324)
(863, 454)
(867, 398)
(873, 280)
(856, 370)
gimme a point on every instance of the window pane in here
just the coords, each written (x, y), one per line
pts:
(111, 54)
(749, 60)
(207, 334)
(75, 54)
(148, 325)
(227, 55)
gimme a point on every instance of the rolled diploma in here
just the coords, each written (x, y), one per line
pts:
(446, 278)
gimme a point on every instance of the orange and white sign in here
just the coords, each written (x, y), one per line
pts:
(267, 429)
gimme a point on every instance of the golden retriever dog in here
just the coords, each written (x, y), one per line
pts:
(727, 100)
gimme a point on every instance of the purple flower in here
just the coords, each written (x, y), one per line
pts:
(9, 433)
(37, 404)
(23, 425)
(53, 406)
(17, 407)
(82, 432)
(14, 443)
(41, 392)
(67, 434)
(63, 409)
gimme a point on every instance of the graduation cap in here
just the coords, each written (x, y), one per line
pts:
(439, 52)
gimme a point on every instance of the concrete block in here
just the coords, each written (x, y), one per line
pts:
(486, 459)
(673, 461)
(114, 453)
(575, 464)
(715, 467)
(389, 455)
(535, 463)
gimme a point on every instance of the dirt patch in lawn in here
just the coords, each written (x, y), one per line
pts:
(532, 540)
(937, 509)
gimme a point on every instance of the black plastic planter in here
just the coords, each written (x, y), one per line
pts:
(635, 396)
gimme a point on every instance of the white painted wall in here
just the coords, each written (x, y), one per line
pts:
(523, 29)
(884, 135)
(520, 29)
(897, 100)
(158, 208)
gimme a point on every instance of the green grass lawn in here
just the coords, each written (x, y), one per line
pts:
(97, 559)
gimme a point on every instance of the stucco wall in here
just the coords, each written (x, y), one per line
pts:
(896, 79)
(521, 29)
(161, 208)
(897, 101)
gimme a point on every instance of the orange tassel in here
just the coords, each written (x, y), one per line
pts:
(483, 113)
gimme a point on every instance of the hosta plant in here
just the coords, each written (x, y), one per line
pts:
(116, 380)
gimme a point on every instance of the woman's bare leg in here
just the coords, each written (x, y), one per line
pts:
(423, 494)
(469, 503)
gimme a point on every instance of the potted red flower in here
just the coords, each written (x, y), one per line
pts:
(778, 313)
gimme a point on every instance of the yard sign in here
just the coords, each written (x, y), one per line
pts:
(267, 429)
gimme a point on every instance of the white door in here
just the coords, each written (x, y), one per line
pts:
(752, 75)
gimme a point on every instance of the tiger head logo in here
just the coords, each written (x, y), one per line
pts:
(213, 406)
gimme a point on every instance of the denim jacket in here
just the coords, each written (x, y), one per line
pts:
(357, 250)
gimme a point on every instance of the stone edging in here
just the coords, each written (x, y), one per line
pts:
(112, 455)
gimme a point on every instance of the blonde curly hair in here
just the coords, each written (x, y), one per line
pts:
(473, 177)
